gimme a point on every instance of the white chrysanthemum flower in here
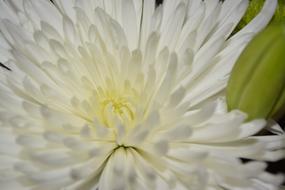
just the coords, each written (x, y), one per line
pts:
(122, 95)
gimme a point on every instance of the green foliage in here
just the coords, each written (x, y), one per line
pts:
(255, 7)
(280, 12)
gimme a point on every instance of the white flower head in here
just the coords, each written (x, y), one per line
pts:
(124, 95)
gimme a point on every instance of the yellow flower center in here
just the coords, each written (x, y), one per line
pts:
(119, 107)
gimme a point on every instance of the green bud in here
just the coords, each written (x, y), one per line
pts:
(257, 82)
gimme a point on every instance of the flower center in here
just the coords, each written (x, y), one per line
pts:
(117, 107)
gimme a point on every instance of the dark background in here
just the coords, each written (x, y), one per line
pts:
(275, 167)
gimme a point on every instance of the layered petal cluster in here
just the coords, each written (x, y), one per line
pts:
(124, 95)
